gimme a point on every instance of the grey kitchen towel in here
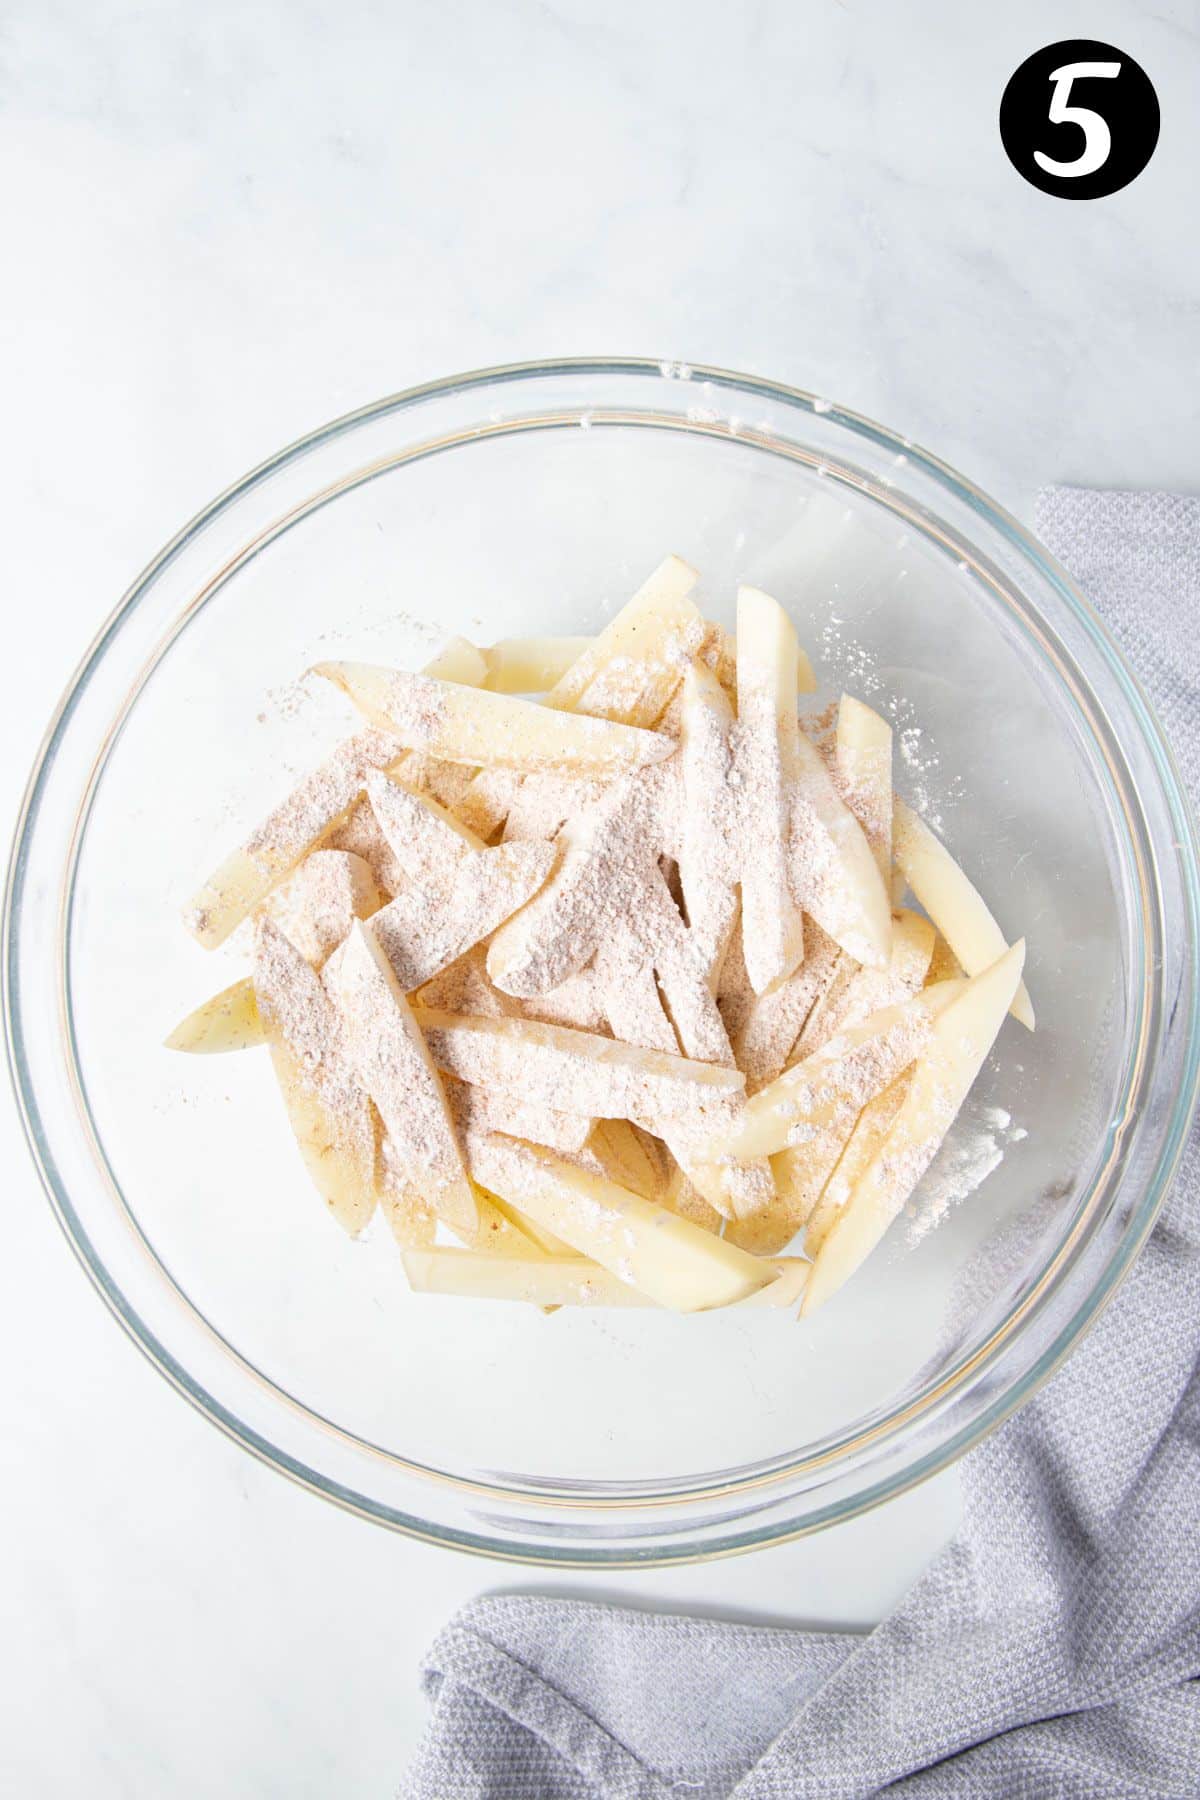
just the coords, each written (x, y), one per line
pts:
(1053, 1649)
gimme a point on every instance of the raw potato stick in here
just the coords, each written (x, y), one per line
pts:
(855, 993)
(627, 675)
(482, 730)
(863, 1144)
(606, 883)
(311, 812)
(317, 905)
(530, 665)
(481, 1110)
(849, 1070)
(499, 1235)
(423, 934)
(952, 901)
(864, 765)
(227, 1021)
(631, 670)
(581, 1072)
(575, 1001)
(708, 872)
(630, 1158)
(395, 1068)
(834, 875)
(327, 1109)
(772, 1023)
(767, 766)
(412, 1222)
(426, 839)
(683, 1197)
(544, 1242)
(960, 1040)
(669, 1259)
(638, 1017)
(565, 1280)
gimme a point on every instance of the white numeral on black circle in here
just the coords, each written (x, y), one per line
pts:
(1097, 137)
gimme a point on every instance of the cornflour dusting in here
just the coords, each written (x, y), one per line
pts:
(962, 1166)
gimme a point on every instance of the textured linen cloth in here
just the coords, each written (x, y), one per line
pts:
(1053, 1649)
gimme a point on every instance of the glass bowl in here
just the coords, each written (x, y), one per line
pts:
(534, 499)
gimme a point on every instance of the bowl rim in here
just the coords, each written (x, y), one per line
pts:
(1119, 1259)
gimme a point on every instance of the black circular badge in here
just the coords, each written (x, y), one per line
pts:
(1079, 119)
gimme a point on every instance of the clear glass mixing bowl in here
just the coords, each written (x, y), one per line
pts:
(536, 498)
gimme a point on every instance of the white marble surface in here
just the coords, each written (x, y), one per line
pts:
(224, 225)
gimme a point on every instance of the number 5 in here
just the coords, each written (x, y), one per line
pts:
(1097, 137)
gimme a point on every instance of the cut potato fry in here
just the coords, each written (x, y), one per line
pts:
(459, 660)
(952, 901)
(766, 1233)
(468, 725)
(228, 1021)
(668, 1258)
(855, 993)
(317, 905)
(767, 767)
(787, 1289)
(530, 665)
(802, 1171)
(848, 1071)
(960, 1040)
(459, 891)
(683, 1197)
(482, 1110)
(425, 837)
(620, 1080)
(805, 1170)
(395, 1068)
(870, 1129)
(486, 803)
(626, 675)
(641, 1025)
(736, 1189)
(629, 673)
(329, 1113)
(630, 1158)
(731, 1189)
(708, 872)
(565, 1281)
(864, 764)
(833, 871)
(543, 803)
(575, 1002)
(413, 1223)
(585, 1073)
(499, 1235)
(632, 1003)
(544, 1242)
(735, 996)
(464, 988)
(772, 1023)
(609, 850)
(943, 964)
(423, 933)
(338, 1154)
(359, 835)
(310, 812)
(718, 652)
